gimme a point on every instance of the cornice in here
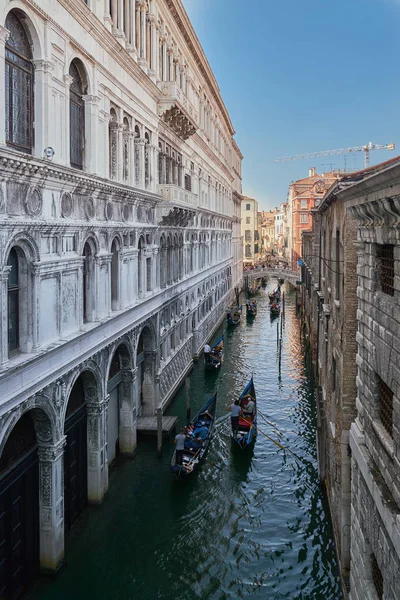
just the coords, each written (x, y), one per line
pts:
(182, 20)
(198, 139)
(96, 29)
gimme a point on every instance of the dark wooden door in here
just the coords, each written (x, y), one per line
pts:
(75, 467)
(19, 526)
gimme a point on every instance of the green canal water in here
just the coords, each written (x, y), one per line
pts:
(255, 527)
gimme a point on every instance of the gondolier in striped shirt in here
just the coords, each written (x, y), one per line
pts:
(235, 412)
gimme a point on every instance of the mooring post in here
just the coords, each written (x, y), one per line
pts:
(159, 431)
(187, 392)
(277, 334)
(283, 302)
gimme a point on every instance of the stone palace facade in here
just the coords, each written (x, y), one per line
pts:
(120, 247)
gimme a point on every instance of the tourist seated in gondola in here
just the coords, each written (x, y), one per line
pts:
(248, 407)
(200, 433)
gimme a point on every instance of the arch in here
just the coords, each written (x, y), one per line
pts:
(78, 89)
(21, 315)
(163, 262)
(114, 273)
(140, 270)
(89, 280)
(19, 496)
(26, 243)
(119, 397)
(146, 367)
(92, 240)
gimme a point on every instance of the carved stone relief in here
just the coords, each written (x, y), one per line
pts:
(67, 205)
(34, 201)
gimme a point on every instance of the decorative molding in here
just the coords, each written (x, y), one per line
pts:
(34, 201)
(67, 205)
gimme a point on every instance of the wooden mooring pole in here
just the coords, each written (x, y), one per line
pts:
(187, 393)
(159, 431)
(277, 334)
(283, 302)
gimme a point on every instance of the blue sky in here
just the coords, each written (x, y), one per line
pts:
(301, 76)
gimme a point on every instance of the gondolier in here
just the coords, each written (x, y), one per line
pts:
(207, 351)
(235, 412)
(180, 446)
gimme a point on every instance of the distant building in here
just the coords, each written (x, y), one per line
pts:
(303, 196)
(267, 231)
(250, 232)
(281, 229)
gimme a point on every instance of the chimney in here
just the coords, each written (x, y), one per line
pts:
(311, 172)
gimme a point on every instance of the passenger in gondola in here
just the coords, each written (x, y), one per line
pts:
(250, 408)
(235, 413)
(200, 433)
(207, 352)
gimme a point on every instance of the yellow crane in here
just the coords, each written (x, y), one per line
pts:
(366, 149)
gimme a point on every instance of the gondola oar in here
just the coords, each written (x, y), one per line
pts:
(267, 436)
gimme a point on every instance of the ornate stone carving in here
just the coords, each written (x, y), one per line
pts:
(59, 393)
(139, 214)
(89, 207)
(109, 212)
(67, 205)
(2, 201)
(34, 201)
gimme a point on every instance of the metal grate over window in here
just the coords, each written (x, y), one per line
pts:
(386, 406)
(385, 255)
(377, 577)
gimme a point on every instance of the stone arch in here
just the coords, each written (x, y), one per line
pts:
(92, 239)
(31, 27)
(26, 243)
(120, 400)
(145, 358)
(83, 70)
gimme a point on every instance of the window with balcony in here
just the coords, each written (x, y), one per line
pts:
(386, 268)
(303, 218)
(385, 405)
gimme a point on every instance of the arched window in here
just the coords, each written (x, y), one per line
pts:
(113, 143)
(88, 283)
(114, 276)
(137, 156)
(126, 153)
(18, 86)
(13, 303)
(140, 267)
(77, 115)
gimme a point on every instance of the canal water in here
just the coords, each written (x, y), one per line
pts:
(253, 526)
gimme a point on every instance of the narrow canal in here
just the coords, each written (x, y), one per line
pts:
(255, 527)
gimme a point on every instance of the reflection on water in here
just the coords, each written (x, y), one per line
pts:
(252, 526)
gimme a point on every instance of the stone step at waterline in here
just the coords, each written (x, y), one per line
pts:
(148, 425)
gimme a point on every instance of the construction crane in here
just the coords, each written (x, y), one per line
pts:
(366, 149)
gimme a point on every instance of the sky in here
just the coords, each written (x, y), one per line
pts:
(301, 76)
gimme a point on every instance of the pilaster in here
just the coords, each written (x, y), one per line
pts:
(4, 35)
(97, 451)
(127, 428)
(51, 504)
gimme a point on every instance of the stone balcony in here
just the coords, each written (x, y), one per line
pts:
(179, 207)
(176, 110)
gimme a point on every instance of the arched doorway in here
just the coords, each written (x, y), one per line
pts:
(117, 395)
(145, 363)
(75, 455)
(19, 508)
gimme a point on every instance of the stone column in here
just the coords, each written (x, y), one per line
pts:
(127, 22)
(128, 418)
(65, 151)
(120, 151)
(142, 181)
(142, 49)
(131, 158)
(4, 35)
(107, 16)
(137, 28)
(97, 450)
(51, 503)
(35, 306)
(4, 316)
(91, 133)
(135, 254)
(131, 47)
(43, 116)
(155, 270)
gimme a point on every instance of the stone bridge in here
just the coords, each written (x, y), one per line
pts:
(290, 276)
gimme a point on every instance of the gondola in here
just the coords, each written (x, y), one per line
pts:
(275, 295)
(195, 452)
(247, 424)
(251, 309)
(233, 318)
(216, 356)
(275, 310)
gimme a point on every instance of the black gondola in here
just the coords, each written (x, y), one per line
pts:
(233, 318)
(251, 309)
(216, 356)
(247, 432)
(275, 295)
(275, 309)
(194, 452)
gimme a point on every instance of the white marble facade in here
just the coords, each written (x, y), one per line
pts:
(120, 244)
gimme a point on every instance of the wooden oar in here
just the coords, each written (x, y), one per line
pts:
(267, 436)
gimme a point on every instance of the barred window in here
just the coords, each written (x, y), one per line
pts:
(188, 183)
(77, 115)
(377, 577)
(386, 406)
(386, 268)
(18, 86)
